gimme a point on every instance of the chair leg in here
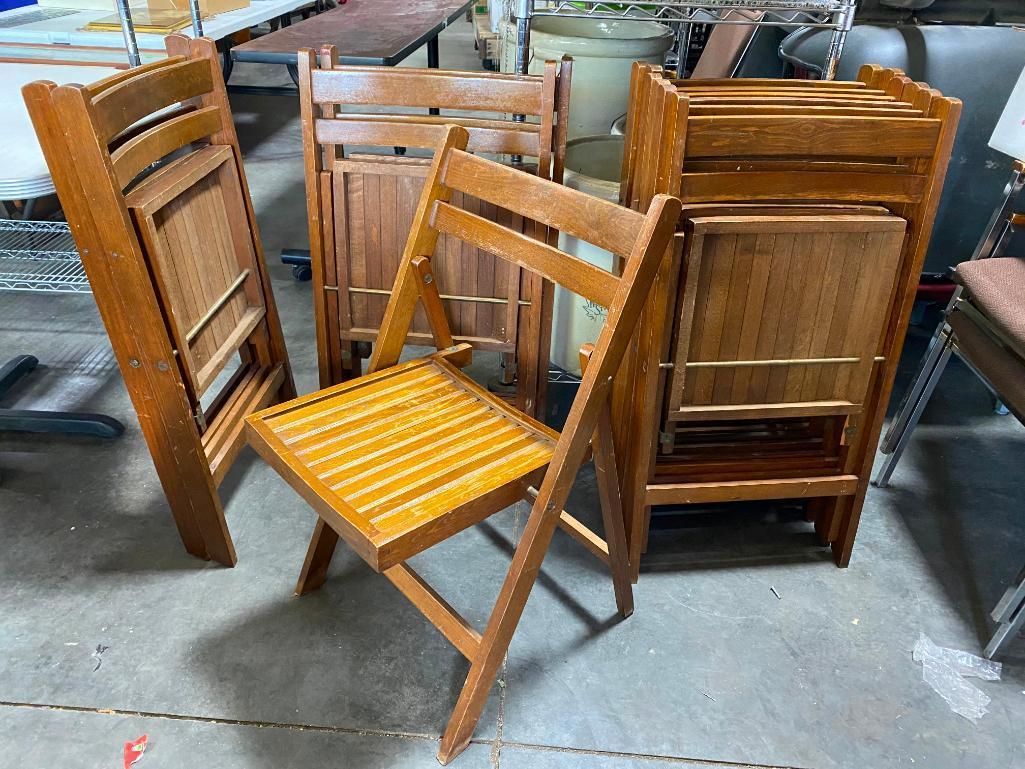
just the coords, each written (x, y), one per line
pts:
(612, 514)
(912, 407)
(318, 558)
(506, 615)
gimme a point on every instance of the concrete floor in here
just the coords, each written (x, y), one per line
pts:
(224, 668)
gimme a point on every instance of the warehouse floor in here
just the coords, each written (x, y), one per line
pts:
(108, 630)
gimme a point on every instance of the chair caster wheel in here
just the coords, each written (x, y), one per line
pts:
(302, 272)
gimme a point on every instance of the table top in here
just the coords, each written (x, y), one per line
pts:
(23, 171)
(365, 31)
(47, 33)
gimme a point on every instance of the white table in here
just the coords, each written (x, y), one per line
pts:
(66, 27)
(23, 172)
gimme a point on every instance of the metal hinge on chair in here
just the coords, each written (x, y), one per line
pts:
(200, 418)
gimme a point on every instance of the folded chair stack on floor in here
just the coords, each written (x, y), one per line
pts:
(765, 358)
(361, 205)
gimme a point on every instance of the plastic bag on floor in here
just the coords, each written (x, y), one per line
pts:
(945, 671)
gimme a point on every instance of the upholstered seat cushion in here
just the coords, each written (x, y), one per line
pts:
(997, 287)
(1006, 372)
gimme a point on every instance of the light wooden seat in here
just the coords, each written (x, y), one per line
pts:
(403, 456)
(411, 453)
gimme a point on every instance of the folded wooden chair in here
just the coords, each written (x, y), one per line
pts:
(175, 264)
(752, 384)
(877, 88)
(412, 453)
(361, 206)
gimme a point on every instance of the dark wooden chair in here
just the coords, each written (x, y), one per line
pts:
(174, 260)
(361, 205)
(411, 453)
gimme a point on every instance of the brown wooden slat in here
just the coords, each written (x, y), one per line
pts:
(132, 157)
(426, 88)
(760, 410)
(575, 274)
(735, 491)
(812, 136)
(595, 221)
(492, 136)
(456, 629)
(119, 106)
(787, 185)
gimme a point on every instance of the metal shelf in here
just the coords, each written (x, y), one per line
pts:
(837, 15)
(40, 256)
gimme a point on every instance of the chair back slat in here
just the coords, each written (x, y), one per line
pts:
(168, 136)
(786, 93)
(589, 218)
(399, 87)
(706, 109)
(766, 136)
(580, 277)
(769, 82)
(792, 185)
(788, 100)
(119, 107)
(424, 132)
(98, 87)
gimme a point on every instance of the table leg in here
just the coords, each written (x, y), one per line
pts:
(432, 62)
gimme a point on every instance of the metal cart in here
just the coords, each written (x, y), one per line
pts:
(837, 15)
(41, 256)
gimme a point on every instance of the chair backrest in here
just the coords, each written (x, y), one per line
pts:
(339, 92)
(173, 255)
(360, 205)
(640, 240)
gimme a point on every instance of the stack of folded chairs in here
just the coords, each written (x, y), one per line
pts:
(765, 358)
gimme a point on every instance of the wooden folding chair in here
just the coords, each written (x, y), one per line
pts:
(175, 263)
(361, 206)
(412, 453)
(741, 411)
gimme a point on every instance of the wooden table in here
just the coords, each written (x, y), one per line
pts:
(366, 32)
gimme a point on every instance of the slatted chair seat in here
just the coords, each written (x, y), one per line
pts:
(400, 456)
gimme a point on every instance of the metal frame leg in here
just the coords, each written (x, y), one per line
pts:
(935, 360)
(128, 30)
(914, 404)
(61, 422)
(845, 22)
(1010, 613)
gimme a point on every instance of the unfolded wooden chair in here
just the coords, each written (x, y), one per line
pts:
(175, 264)
(412, 453)
(765, 358)
(361, 205)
